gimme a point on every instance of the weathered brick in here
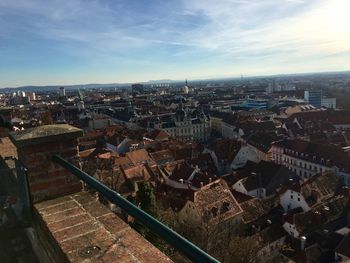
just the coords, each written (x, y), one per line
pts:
(62, 215)
(67, 188)
(92, 224)
(76, 230)
(96, 209)
(53, 202)
(112, 223)
(99, 237)
(70, 221)
(69, 204)
(117, 253)
(45, 185)
(83, 198)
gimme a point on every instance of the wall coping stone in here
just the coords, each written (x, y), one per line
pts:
(44, 134)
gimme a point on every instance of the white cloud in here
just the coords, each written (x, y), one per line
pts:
(222, 37)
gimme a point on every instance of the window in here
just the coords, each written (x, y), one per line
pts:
(298, 199)
(291, 197)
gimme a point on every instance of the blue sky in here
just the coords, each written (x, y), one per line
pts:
(44, 42)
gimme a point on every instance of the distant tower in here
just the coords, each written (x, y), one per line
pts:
(271, 87)
(62, 92)
(185, 88)
(81, 105)
(31, 96)
(130, 108)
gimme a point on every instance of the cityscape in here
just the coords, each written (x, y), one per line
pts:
(246, 164)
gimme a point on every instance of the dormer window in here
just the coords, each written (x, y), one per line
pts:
(225, 207)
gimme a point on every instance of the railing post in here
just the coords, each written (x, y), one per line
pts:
(23, 191)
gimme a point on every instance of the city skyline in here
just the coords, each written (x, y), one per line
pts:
(119, 41)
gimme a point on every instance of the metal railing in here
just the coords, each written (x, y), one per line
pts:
(15, 201)
(187, 248)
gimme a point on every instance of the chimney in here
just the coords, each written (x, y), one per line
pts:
(210, 179)
(302, 243)
(201, 184)
(181, 181)
(35, 148)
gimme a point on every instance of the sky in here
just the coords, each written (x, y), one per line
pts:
(49, 42)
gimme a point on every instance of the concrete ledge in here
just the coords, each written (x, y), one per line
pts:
(44, 134)
(87, 231)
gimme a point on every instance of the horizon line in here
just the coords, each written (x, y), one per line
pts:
(179, 80)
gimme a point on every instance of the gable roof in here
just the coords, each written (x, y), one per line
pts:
(162, 156)
(139, 157)
(216, 203)
(268, 175)
(226, 150)
(262, 140)
(138, 173)
(254, 209)
(157, 135)
(320, 187)
(307, 222)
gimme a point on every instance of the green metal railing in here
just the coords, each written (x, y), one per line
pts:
(187, 248)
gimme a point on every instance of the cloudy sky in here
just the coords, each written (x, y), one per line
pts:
(45, 42)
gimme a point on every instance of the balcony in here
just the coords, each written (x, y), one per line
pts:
(64, 223)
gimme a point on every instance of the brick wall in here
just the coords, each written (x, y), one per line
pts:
(35, 148)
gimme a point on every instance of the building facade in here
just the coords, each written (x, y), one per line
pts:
(307, 159)
(313, 97)
(185, 125)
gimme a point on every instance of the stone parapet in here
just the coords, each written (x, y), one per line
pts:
(84, 230)
(35, 148)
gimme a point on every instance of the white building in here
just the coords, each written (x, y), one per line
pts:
(62, 91)
(330, 103)
(293, 199)
(185, 125)
(312, 159)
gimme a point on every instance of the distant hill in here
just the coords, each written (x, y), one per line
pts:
(168, 81)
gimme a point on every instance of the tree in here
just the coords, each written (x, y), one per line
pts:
(242, 250)
(145, 199)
